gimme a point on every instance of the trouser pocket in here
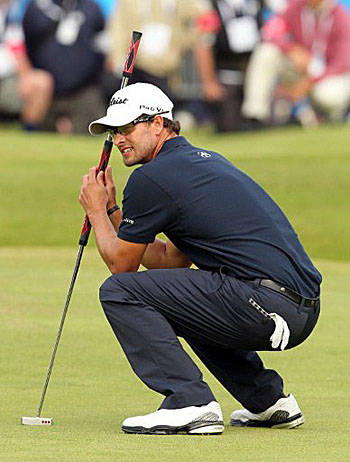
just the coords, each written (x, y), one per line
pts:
(280, 336)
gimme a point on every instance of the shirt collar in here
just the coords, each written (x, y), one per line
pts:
(173, 143)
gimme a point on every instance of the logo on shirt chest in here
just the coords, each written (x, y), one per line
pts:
(203, 154)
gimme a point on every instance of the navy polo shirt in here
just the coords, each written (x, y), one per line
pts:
(216, 215)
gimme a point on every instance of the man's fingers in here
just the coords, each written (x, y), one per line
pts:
(85, 180)
(82, 188)
(109, 175)
(101, 178)
(92, 174)
(93, 177)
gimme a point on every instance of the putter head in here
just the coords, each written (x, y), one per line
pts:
(36, 421)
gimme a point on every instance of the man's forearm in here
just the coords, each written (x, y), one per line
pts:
(116, 218)
(106, 236)
(205, 62)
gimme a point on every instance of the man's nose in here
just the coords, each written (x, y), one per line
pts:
(118, 138)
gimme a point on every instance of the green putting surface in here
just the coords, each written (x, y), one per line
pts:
(92, 388)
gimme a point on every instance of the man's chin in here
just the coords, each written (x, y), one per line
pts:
(129, 162)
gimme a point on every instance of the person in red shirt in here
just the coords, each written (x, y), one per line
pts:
(307, 47)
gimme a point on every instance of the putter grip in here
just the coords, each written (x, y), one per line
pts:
(107, 149)
(130, 60)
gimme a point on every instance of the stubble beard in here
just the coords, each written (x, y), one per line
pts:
(141, 153)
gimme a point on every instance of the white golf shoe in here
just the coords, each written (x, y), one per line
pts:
(285, 413)
(193, 420)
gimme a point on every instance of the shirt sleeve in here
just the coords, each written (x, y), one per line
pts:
(147, 210)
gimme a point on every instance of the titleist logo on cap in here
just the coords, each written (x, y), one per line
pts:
(118, 100)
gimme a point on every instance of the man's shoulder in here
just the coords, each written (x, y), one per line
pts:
(179, 147)
(145, 177)
(181, 163)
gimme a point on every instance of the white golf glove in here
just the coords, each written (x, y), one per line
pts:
(280, 336)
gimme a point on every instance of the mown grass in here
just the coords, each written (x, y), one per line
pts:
(307, 172)
(92, 388)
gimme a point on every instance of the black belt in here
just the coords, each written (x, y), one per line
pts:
(297, 298)
(281, 289)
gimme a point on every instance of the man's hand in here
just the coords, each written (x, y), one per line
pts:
(111, 189)
(93, 193)
(212, 88)
(300, 89)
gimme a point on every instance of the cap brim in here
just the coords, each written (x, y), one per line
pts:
(99, 126)
(115, 117)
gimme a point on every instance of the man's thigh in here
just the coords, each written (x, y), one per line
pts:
(192, 303)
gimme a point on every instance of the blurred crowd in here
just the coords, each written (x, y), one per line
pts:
(231, 64)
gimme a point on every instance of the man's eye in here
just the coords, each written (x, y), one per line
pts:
(125, 130)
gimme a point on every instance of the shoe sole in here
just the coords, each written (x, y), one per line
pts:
(293, 422)
(192, 429)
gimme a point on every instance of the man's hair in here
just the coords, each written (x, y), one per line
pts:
(172, 125)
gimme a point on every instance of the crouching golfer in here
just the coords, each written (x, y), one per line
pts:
(255, 288)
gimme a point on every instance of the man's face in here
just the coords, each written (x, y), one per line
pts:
(137, 143)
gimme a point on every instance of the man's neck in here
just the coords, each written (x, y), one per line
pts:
(162, 139)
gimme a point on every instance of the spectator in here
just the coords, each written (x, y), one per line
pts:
(62, 37)
(170, 28)
(308, 46)
(236, 39)
(23, 90)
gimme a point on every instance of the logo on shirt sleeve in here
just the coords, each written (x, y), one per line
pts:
(128, 220)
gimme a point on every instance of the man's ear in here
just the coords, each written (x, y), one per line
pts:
(158, 124)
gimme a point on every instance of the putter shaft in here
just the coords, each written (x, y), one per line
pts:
(69, 294)
(84, 236)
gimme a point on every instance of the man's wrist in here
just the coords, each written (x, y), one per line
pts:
(113, 209)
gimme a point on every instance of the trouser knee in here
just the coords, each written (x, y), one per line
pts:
(332, 95)
(107, 286)
(114, 292)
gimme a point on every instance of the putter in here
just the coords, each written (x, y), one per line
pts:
(84, 237)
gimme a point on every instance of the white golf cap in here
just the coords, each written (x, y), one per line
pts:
(131, 102)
